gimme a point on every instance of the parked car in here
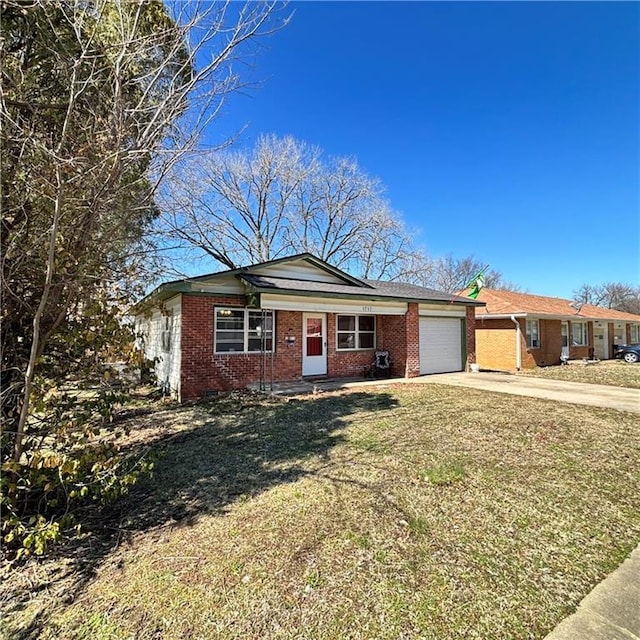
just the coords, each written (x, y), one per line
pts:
(628, 352)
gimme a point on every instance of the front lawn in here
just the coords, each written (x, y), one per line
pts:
(410, 512)
(616, 373)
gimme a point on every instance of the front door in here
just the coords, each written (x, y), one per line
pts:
(314, 348)
(600, 340)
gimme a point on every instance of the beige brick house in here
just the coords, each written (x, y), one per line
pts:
(293, 318)
(522, 331)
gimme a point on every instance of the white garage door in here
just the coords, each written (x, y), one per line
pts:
(440, 345)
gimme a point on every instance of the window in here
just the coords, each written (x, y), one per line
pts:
(165, 334)
(635, 333)
(564, 331)
(533, 334)
(242, 330)
(356, 332)
(579, 334)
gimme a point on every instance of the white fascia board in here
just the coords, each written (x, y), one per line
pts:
(501, 316)
(545, 316)
(445, 310)
(281, 302)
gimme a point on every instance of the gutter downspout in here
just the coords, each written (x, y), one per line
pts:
(518, 343)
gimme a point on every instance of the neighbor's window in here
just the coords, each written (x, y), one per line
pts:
(356, 332)
(242, 330)
(579, 334)
(533, 334)
(635, 333)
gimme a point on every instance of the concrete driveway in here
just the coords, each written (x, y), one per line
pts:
(595, 395)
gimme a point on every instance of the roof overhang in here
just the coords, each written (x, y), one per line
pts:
(365, 296)
(547, 316)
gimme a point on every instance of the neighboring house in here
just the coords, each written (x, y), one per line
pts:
(522, 331)
(296, 317)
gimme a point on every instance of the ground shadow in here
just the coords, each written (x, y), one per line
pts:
(237, 447)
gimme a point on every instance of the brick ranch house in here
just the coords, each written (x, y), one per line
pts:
(522, 331)
(297, 317)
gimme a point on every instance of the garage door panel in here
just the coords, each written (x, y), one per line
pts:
(440, 345)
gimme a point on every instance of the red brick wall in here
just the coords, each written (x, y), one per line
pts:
(392, 337)
(582, 352)
(202, 370)
(496, 340)
(412, 329)
(550, 345)
(471, 335)
(346, 364)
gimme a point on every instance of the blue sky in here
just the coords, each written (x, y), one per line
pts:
(506, 130)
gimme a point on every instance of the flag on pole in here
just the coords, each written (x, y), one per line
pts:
(476, 284)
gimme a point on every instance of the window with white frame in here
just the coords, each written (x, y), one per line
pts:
(579, 334)
(242, 330)
(533, 334)
(635, 333)
(356, 332)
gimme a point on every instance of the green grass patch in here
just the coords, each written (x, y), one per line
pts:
(443, 474)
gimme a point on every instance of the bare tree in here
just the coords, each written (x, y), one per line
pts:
(453, 275)
(280, 198)
(612, 295)
(99, 99)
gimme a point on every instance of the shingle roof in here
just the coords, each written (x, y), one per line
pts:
(512, 302)
(351, 287)
(378, 289)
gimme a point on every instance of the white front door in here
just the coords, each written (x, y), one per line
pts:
(314, 346)
(600, 340)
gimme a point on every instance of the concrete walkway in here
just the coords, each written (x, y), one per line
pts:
(611, 611)
(595, 395)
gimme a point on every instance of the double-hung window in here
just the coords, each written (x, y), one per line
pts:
(356, 332)
(579, 334)
(635, 333)
(242, 330)
(533, 334)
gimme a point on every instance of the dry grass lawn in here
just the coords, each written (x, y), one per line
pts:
(399, 513)
(616, 373)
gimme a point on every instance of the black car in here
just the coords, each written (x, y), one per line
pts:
(628, 352)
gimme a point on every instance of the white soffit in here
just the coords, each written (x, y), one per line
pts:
(218, 284)
(441, 310)
(332, 305)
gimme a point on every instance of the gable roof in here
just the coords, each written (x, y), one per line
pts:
(505, 303)
(306, 257)
(263, 278)
(371, 289)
